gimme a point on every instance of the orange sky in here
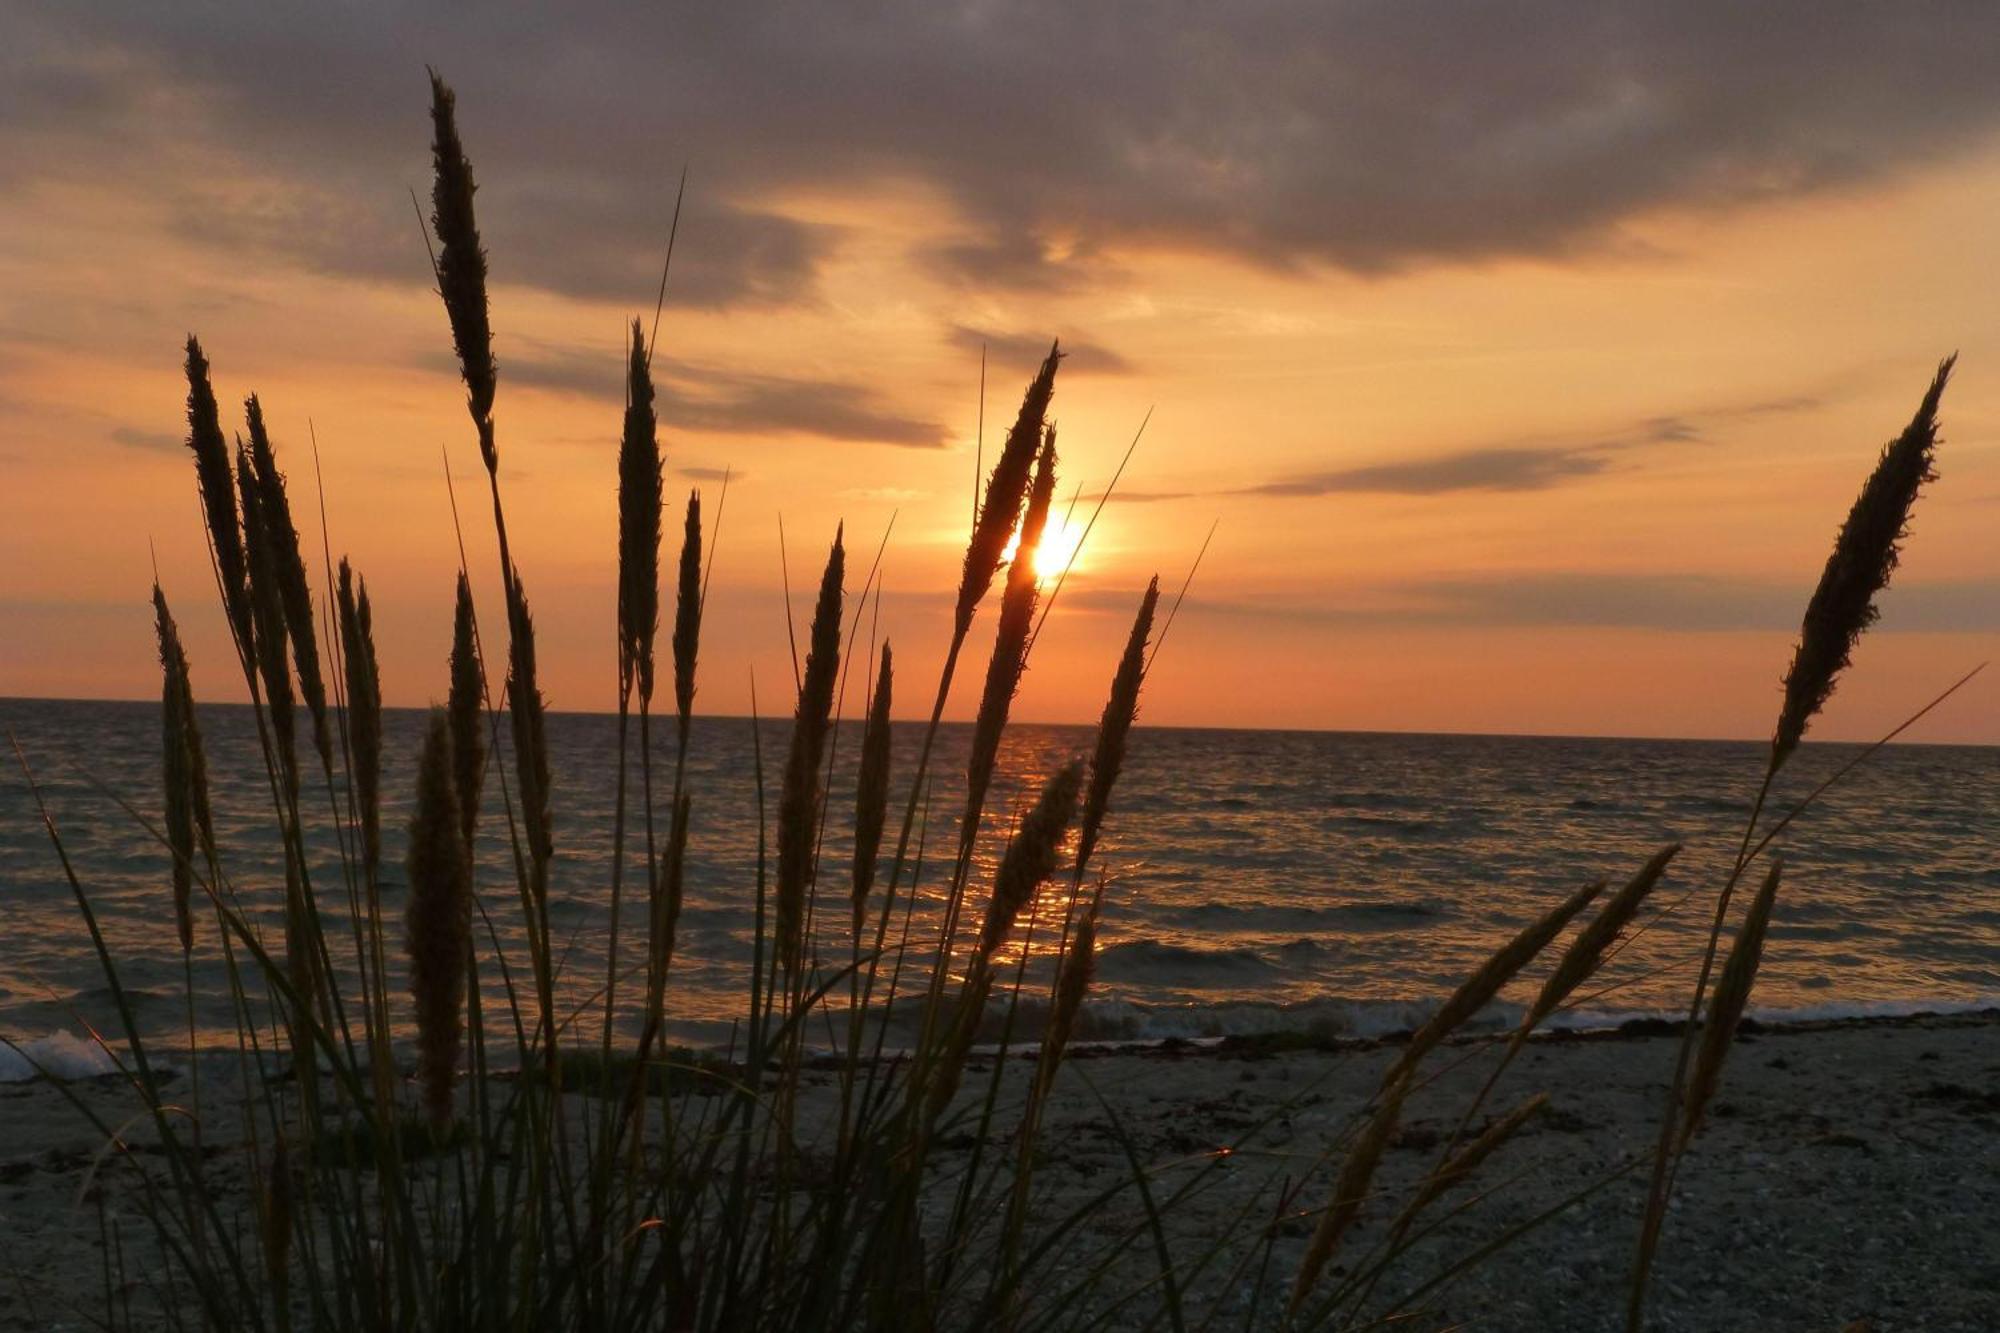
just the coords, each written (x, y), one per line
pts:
(1574, 479)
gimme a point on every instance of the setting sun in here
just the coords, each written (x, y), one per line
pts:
(1061, 541)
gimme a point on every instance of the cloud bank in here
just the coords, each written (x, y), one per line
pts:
(1366, 137)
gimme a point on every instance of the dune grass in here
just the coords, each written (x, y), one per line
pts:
(529, 1173)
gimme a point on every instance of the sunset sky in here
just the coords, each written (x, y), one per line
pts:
(1528, 357)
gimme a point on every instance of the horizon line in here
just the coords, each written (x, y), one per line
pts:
(1142, 726)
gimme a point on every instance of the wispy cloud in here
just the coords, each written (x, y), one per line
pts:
(1534, 465)
(1470, 470)
(1587, 599)
(709, 398)
(156, 440)
(1025, 350)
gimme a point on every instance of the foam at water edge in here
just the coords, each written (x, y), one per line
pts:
(60, 1053)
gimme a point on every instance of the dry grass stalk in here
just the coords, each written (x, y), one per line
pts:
(638, 525)
(526, 709)
(1010, 645)
(267, 614)
(1004, 491)
(1864, 555)
(438, 921)
(277, 1225)
(1350, 1190)
(687, 615)
(1079, 969)
(798, 801)
(1580, 961)
(468, 738)
(181, 748)
(1468, 1159)
(1480, 988)
(958, 1039)
(666, 907)
(1732, 995)
(1114, 729)
(364, 710)
(218, 492)
(461, 266)
(871, 789)
(1032, 856)
(289, 562)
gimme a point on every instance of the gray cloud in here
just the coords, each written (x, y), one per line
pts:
(1369, 137)
(1580, 599)
(1022, 352)
(157, 440)
(1526, 466)
(1469, 470)
(707, 398)
(773, 404)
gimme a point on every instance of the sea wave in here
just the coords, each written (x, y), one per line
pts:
(62, 1054)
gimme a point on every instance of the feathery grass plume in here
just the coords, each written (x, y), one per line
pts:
(958, 1039)
(290, 565)
(1864, 556)
(179, 745)
(667, 906)
(218, 491)
(1031, 856)
(871, 789)
(468, 739)
(1494, 973)
(1732, 994)
(526, 710)
(798, 802)
(1079, 969)
(1350, 1190)
(438, 920)
(638, 525)
(1004, 491)
(687, 613)
(1467, 1159)
(1580, 961)
(1010, 644)
(267, 611)
(1114, 730)
(461, 266)
(364, 708)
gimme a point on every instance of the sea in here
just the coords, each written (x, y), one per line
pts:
(1322, 883)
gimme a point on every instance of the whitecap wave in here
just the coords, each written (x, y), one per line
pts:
(63, 1054)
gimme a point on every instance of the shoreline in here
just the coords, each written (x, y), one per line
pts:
(1850, 1170)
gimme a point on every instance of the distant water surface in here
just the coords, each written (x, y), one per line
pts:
(1331, 882)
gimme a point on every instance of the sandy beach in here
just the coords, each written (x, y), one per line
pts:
(1850, 1178)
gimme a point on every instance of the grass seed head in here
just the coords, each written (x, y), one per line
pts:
(438, 922)
(1732, 996)
(1114, 729)
(461, 265)
(468, 740)
(687, 614)
(871, 789)
(1864, 555)
(798, 801)
(1001, 508)
(639, 504)
(1032, 855)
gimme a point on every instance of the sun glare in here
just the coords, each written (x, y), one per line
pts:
(1060, 543)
